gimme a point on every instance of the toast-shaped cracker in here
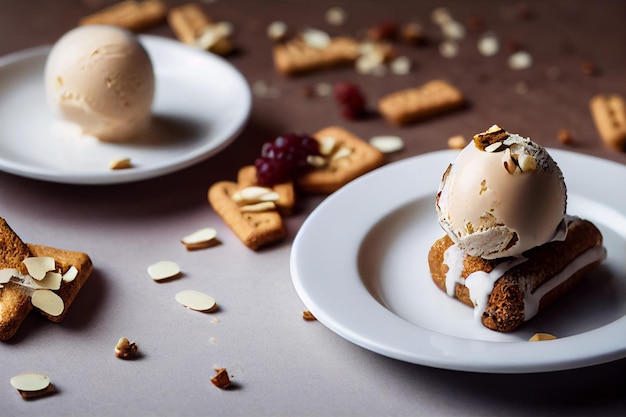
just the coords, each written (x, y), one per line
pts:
(254, 229)
(296, 56)
(130, 14)
(15, 299)
(341, 167)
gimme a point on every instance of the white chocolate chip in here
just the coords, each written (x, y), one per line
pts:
(258, 207)
(30, 382)
(71, 274)
(316, 38)
(38, 266)
(196, 300)
(200, 239)
(120, 163)
(163, 270)
(48, 302)
(387, 144)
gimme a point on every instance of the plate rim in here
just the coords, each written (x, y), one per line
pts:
(150, 42)
(531, 358)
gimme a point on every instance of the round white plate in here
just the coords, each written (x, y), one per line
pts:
(359, 263)
(201, 104)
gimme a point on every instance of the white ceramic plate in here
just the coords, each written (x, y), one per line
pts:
(201, 104)
(359, 264)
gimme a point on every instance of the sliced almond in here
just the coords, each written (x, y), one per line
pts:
(71, 274)
(196, 300)
(125, 349)
(316, 38)
(52, 281)
(327, 145)
(30, 382)
(387, 144)
(255, 194)
(120, 163)
(316, 161)
(277, 30)
(7, 274)
(258, 207)
(526, 163)
(48, 302)
(342, 152)
(38, 266)
(200, 239)
(537, 337)
(163, 270)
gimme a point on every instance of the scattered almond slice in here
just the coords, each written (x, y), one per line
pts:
(196, 300)
(48, 302)
(387, 144)
(315, 38)
(200, 239)
(163, 270)
(537, 337)
(38, 266)
(120, 163)
(70, 275)
(125, 349)
(255, 194)
(32, 385)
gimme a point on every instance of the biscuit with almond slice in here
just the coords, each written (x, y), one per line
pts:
(74, 268)
(346, 158)
(246, 177)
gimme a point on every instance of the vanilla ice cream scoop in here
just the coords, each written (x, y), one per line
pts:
(501, 196)
(101, 78)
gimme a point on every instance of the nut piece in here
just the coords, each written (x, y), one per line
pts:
(200, 239)
(120, 163)
(39, 266)
(308, 316)
(537, 337)
(196, 300)
(492, 135)
(48, 302)
(387, 144)
(125, 349)
(32, 385)
(221, 379)
(258, 207)
(70, 275)
(163, 270)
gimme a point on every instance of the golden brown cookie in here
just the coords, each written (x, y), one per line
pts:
(609, 115)
(350, 158)
(130, 14)
(296, 56)
(254, 229)
(428, 100)
(506, 305)
(15, 299)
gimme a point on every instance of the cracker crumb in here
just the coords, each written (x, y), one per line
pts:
(221, 379)
(565, 136)
(308, 316)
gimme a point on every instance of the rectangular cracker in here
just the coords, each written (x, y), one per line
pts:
(295, 56)
(189, 22)
(363, 158)
(431, 99)
(609, 116)
(130, 14)
(255, 230)
(246, 177)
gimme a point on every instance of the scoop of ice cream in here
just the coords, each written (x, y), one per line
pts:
(101, 78)
(501, 196)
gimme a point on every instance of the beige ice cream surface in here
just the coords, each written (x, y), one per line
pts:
(101, 78)
(501, 196)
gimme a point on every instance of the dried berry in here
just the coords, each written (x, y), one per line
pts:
(350, 99)
(284, 158)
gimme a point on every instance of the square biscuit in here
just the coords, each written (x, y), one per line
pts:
(361, 159)
(254, 229)
(431, 99)
(296, 56)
